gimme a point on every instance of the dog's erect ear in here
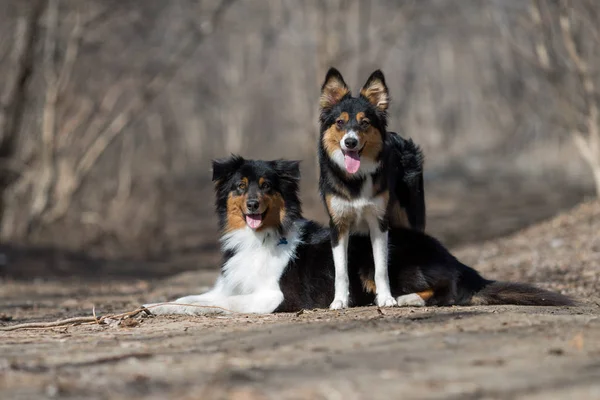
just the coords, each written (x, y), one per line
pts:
(334, 89)
(287, 169)
(225, 166)
(376, 91)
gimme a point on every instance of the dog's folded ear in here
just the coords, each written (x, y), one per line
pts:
(226, 166)
(334, 89)
(376, 91)
(287, 169)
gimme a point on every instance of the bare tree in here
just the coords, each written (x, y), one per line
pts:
(13, 96)
(586, 131)
(564, 46)
(112, 110)
(77, 128)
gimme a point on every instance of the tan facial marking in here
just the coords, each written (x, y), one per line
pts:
(344, 116)
(333, 135)
(275, 208)
(273, 204)
(235, 213)
(372, 143)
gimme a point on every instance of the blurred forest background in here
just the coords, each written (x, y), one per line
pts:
(112, 110)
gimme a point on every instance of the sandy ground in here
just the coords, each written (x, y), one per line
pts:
(362, 353)
(478, 352)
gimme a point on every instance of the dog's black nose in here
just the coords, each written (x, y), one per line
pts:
(252, 205)
(350, 143)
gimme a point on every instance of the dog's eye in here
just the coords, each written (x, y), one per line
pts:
(241, 186)
(340, 123)
(365, 122)
(265, 186)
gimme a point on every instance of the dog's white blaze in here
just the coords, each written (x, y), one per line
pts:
(350, 135)
(249, 280)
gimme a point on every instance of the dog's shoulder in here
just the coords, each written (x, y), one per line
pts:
(312, 233)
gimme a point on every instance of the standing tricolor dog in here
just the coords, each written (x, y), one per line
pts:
(359, 183)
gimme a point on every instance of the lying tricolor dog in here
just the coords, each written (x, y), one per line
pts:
(276, 261)
(360, 184)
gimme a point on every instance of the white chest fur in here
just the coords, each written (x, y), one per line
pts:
(359, 209)
(259, 261)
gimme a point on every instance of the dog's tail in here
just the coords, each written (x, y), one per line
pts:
(518, 294)
(476, 290)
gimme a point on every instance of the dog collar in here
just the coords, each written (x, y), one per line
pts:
(282, 241)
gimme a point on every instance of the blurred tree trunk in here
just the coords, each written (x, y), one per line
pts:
(14, 92)
(564, 46)
(587, 139)
(81, 124)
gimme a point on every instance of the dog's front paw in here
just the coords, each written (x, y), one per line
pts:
(165, 309)
(386, 301)
(158, 309)
(339, 304)
(181, 309)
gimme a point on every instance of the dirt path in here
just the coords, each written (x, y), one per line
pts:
(476, 352)
(501, 352)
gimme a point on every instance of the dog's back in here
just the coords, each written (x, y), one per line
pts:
(404, 168)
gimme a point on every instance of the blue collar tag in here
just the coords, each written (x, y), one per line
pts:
(282, 241)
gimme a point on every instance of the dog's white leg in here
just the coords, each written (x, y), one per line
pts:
(340, 260)
(200, 298)
(263, 302)
(209, 297)
(379, 241)
(183, 308)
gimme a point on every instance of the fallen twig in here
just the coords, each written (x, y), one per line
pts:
(94, 314)
(99, 320)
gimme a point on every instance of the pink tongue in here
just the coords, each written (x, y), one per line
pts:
(253, 220)
(352, 161)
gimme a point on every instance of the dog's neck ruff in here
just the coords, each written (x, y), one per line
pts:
(247, 238)
(258, 258)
